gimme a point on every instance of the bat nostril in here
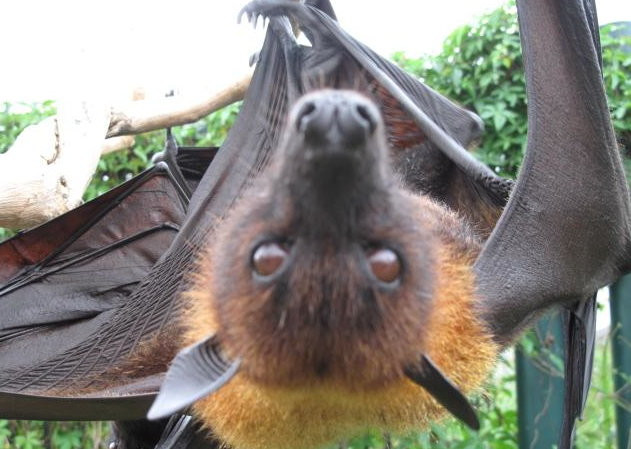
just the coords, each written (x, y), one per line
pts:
(335, 119)
(305, 114)
(365, 115)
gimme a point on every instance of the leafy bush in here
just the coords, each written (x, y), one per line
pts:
(53, 435)
(481, 68)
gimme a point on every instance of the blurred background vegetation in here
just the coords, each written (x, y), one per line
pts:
(479, 67)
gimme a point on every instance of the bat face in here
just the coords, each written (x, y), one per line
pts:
(324, 273)
(331, 289)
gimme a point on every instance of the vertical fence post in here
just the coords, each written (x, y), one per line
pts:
(540, 387)
(621, 348)
(620, 296)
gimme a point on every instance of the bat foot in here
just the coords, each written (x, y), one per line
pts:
(265, 9)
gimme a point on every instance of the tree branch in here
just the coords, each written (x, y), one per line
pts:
(46, 171)
(148, 115)
(50, 164)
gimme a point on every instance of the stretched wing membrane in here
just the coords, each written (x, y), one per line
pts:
(64, 280)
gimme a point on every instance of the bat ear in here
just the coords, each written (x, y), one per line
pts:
(428, 376)
(196, 371)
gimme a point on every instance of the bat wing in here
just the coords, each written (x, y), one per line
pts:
(565, 231)
(85, 293)
(61, 282)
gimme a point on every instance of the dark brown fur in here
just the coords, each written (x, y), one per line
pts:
(323, 346)
(325, 317)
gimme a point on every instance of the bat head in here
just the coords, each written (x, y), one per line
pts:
(322, 271)
(325, 273)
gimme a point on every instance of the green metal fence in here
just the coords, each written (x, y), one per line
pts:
(621, 348)
(540, 387)
(540, 379)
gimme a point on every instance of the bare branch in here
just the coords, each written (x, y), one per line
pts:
(117, 143)
(147, 115)
(46, 171)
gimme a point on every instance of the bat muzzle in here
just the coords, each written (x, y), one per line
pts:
(334, 161)
(336, 120)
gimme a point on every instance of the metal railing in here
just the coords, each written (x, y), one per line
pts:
(540, 380)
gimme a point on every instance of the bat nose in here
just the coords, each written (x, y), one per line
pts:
(336, 118)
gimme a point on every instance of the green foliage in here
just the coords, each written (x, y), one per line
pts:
(15, 117)
(481, 68)
(598, 428)
(53, 435)
(617, 74)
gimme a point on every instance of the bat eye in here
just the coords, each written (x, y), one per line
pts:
(385, 265)
(268, 258)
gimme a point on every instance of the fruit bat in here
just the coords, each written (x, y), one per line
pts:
(341, 262)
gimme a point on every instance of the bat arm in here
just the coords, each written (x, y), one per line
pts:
(565, 231)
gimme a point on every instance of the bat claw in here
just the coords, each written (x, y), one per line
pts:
(240, 15)
(265, 9)
(431, 378)
(249, 11)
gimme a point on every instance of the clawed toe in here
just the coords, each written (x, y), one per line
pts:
(265, 9)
